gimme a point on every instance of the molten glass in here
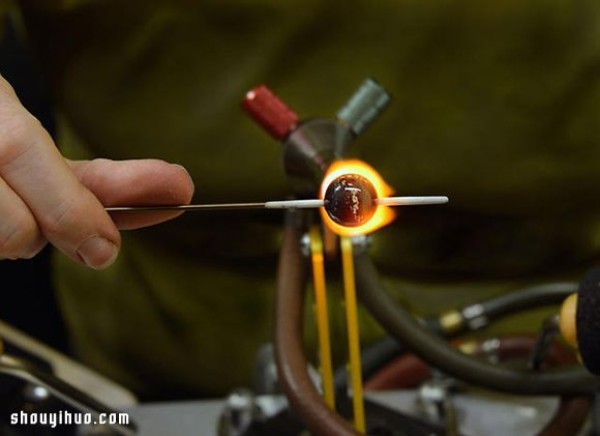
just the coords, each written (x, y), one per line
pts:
(380, 216)
(350, 200)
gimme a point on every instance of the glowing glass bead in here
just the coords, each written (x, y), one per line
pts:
(350, 200)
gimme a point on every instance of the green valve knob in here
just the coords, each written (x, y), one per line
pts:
(365, 105)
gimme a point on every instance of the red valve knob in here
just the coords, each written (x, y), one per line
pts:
(270, 111)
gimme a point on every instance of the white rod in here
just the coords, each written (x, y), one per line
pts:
(300, 204)
(411, 201)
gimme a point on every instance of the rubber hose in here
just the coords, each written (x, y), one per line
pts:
(289, 350)
(409, 371)
(376, 355)
(527, 298)
(438, 353)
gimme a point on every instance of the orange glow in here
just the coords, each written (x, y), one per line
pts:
(383, 214)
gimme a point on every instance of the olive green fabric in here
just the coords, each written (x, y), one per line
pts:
(496, 105)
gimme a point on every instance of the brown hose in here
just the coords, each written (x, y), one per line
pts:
(569, 417)
(404, 372)
(292, 364)
(289, 349)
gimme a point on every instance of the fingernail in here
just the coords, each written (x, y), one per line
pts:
(97, 252)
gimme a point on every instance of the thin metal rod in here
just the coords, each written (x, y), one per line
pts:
(284, 204)
(186, 207)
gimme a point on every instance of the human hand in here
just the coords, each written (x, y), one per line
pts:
(47, 198)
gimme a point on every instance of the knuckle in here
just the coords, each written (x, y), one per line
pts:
(22, 240)
(15, 134)
(19, 129)
(35, 248)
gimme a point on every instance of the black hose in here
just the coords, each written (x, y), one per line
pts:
(438, 353)
(524, 299)
(374, 356)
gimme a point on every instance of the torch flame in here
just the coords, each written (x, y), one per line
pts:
(383, 214)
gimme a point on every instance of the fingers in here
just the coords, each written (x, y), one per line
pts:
(136, 182)
(66, 213)
(45, 197)
(20, 237)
